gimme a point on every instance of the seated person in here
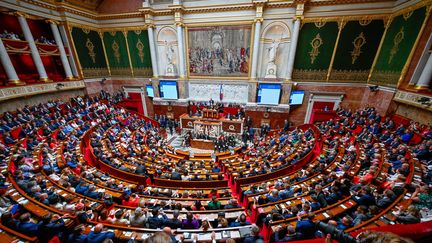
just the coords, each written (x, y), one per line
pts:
(240, 221)
(26, 226)
(97, 235)
(190, 222)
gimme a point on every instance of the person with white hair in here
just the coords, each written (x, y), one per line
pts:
(138, 218)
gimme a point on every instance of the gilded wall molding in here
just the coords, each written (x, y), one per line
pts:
(21, 91)
(89, 13)
(411, 99)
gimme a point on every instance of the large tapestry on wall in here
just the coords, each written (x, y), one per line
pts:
(116, 50)
(358, 44)
(398, 44)
(88, 45)
(139, 49)
(219, 50)
(314, 51)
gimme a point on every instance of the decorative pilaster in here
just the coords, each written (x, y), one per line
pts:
(180, 40)
(293, 48)
(257, 32)
(8, 67)
(341, 25)
(105, 54)
(33, 48)
(153, 52)
(63, 56)
(128, 52)
(387, 23)
(148, 17)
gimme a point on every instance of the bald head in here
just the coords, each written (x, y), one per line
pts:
(167, 230)
(98, 228)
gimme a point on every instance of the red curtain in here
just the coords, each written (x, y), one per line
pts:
(136, 97)
(319, 105)
(3, 77)
(10, 24)
(53, 67)
(40, 28)
(25, 68)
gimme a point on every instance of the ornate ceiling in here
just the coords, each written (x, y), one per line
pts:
(121, 6)
(87, 4)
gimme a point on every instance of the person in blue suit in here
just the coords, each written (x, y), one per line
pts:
(27, 227)
(98, 236)
(78, 236)
(51, 226)
(157, 220)
(306, 227)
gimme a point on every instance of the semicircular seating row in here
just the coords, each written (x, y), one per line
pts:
(108, 160)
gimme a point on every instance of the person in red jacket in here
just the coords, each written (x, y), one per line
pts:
(131, 200)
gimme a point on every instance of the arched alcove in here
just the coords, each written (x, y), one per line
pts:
(167, 39)
(275, 32)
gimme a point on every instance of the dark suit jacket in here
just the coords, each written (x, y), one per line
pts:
(306, 228)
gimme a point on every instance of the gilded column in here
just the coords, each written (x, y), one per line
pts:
(341, 25)
(33, 48)
(128, 52)
(387, 23)
(293, 48)
(7, 65)
(63, 56)
(105, 54)
(73, 65)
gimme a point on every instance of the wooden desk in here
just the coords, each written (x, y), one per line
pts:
(231, 126)
(202, 144)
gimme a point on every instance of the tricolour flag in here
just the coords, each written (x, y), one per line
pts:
(221, 93)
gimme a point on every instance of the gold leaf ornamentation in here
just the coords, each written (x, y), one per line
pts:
(365, 22)
(320, 23)
(407, 15)
(396, 41)
(86, 31)
(140, 47)
(315, 44)
(358, 42)
(115, 47)
(90, 47)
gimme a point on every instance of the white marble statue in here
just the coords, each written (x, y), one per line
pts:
(169, 52)
(170, 55)
(271, 66)
(273, 51)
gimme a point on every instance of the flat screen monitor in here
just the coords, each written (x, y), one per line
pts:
(150, 91)
(296, 97)
(168, 90)
(269, 94)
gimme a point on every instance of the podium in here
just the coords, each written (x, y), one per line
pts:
(210, 113)
(213, 129)
(222, 124)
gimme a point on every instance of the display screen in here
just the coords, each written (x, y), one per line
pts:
(296, 97)
(269, 94)
(168, 89)
(150, 91)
